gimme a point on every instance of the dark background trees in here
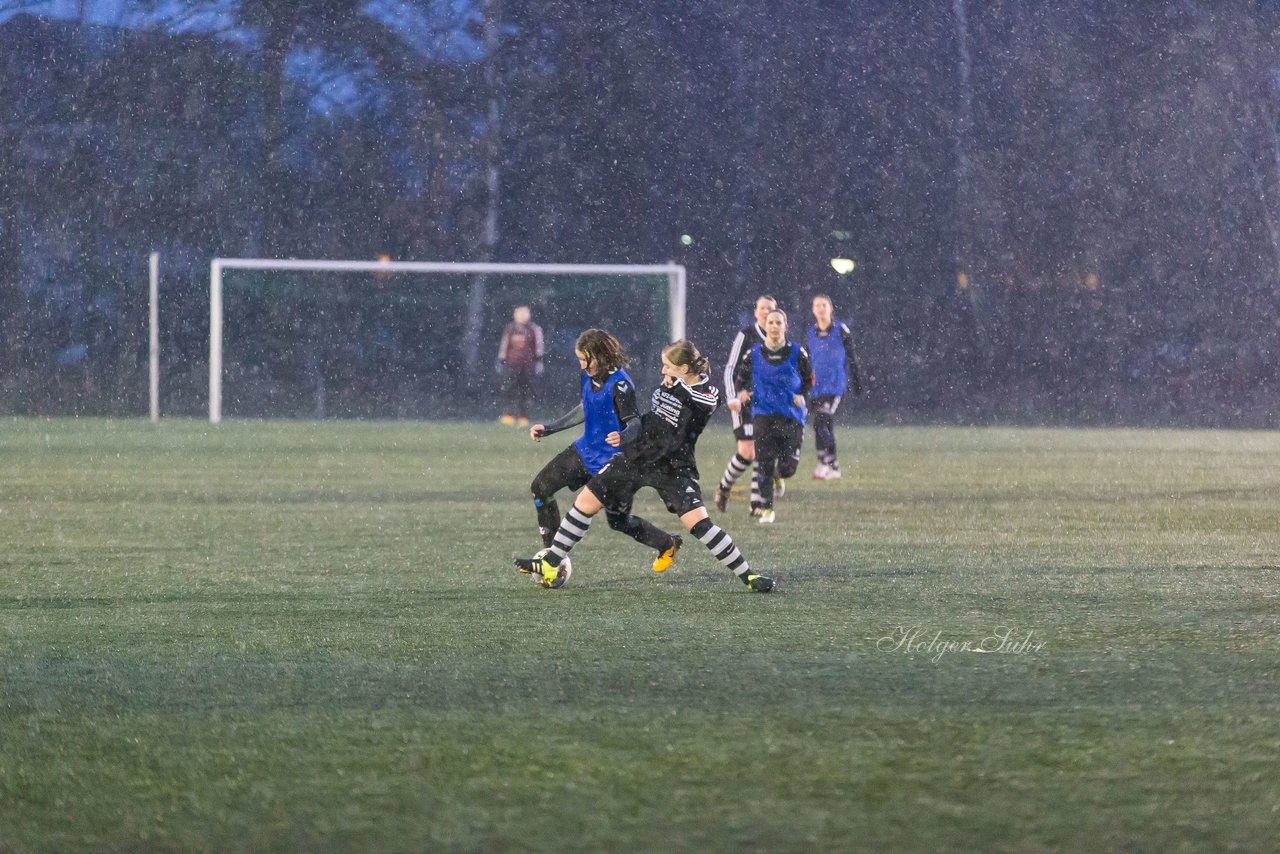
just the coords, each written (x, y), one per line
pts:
(1060, 212)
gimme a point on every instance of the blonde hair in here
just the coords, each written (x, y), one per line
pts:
(684, 353)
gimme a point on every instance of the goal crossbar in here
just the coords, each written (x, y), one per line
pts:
(675, 273)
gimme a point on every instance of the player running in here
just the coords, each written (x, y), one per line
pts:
(608, 410)
(834, 370)
(779, 376)
(739, 413)
(662, 457)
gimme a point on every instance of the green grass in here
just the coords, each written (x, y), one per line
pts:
(301, 636)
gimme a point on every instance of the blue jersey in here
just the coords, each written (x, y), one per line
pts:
(830, 356)
(600, 418)
(775, 386)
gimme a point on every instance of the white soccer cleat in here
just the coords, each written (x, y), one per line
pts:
(766, 517)
(779, 487)
(821, 472)
(832, 474)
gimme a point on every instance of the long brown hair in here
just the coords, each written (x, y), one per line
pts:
(685, 354)
(603, 351)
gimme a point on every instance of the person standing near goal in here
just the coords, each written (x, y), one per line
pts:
(835, 369)
(661, 457)
(519, 360)
(740, 413)
(776, 376)
(608, 410)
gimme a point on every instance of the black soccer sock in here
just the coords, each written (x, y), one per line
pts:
(641, 530)
(721, 547)
(548, 518)
(762, 488)
(573, 527)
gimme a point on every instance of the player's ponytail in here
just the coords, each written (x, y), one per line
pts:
(684, 353)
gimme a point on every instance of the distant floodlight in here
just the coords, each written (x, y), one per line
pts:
(843, 266)
(686, 239)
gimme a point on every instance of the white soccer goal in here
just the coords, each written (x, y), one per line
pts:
(673, 273)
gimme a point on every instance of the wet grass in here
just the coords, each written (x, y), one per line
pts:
(300, 636)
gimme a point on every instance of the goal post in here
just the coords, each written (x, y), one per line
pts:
(672, 274)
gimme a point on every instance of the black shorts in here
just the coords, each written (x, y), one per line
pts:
(742, 429)
(618, 482)
(778, 437)
(565, 471)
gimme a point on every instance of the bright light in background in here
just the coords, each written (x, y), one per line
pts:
(843, 266)
(686, 239)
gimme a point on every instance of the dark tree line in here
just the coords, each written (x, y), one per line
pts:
(1059, 212)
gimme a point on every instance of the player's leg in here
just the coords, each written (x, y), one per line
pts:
(741, 459)
(791, 438)
(723, 549)
(824, 435)
(637, 528)
(768, 449)
(508, 396)
(524, 395)
(573, 527)
(564, 471)
(613, 487)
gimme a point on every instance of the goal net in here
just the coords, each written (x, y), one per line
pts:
(372, 339)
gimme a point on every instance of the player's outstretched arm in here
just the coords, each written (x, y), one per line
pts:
(572, 418)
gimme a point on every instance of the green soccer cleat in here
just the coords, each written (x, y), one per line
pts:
(663, 561)
(760, 583)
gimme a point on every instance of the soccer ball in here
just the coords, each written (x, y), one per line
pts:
(562, 577)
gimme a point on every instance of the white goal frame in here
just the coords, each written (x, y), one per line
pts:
(675, 273)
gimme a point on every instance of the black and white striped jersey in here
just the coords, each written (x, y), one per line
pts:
(742, 344)
(669, 430)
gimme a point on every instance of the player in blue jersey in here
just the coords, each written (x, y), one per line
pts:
(776, 377)
(835, 370)
(608, 411)
(662, 457)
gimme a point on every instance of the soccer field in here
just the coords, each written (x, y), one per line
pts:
(308, 636)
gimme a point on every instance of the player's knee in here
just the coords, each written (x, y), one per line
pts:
(618, 521)
(787, 466)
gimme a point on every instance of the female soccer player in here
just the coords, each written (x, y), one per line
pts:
(740, 415)
(779, 377)
(834, 369)
(608, 409)
(662, 457)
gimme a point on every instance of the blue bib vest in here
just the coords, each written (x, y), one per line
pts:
(776, 385)
(829, 360)
(600, 420)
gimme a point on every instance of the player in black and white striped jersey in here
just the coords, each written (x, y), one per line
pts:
(662, 457)
(740, 413)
